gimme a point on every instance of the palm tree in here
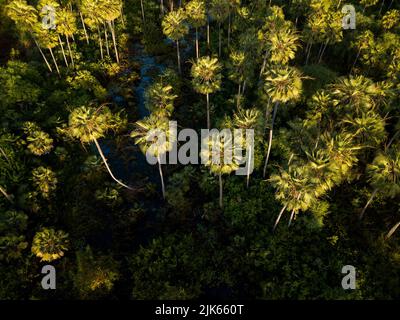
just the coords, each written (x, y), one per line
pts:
(219, 11)
(110, 10)
(49, 244)
(25, 17)
(40, 143)
(175, 28)
(219, 154)
(384, 175)
(66, 25)
(248, 119)
(154, 137)
(88, 124)
(45, 180)
(196, 15)
(92, 18)
(238, 71)
(206, 79)
(47, 39)
(160, 99)
(295, 190)
(281, 84)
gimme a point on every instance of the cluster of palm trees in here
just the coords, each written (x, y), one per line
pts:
(98, 16)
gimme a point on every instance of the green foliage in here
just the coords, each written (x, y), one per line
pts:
(49, 244)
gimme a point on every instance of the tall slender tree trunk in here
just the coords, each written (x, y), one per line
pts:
(106, 38)
(43, 56)
(161, 176)
(308, 53)
(106, 164)
(248, 165)
(279, 218)
(220, 190)
(84, 27)
(390, 5)
(380, 10)
(229, 30)
(392, 140)
(54, 60)
(100, 43)
(271, 132)
(70, 52)
(368, 203)
(142, 7)
(208, 111)
(219, 39)
(62, 50)
(5, 194)
(238, 97)
(197, 43)
(208, 32)
(178, 54)
(162, 7)
(323, 51)
(392, 230)
(244, 87)
(264, 63)
(355, 61)
(114, 40)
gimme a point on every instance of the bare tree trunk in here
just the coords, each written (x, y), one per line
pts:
(84, 27)
(279, 217)
(63, 52)
(220, 191)
(323, 51)
(308, 53)
(393, 230)
(162, 7)
(8, 197)
(208, 32)
(271, 132)
(264, 64)
(70, 52)
(238, 97)
(141, 5)
(43, 56)
(54, 60)
(114, 40)
(161, 176)
(368, 203)
(229, 29)
(197, 43)
(248, 166)
(106, 38)
(380, 10)
(100, 43)
(219, 39)
(178, 56)
(108, 168)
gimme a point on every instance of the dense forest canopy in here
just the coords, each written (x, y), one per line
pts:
(84, 82)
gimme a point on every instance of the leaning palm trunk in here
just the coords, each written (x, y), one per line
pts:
(70, 52)
(264, 63)
(323, 51)
(368, 203)
(393, 230)
(271, 132)
(279, 218)
(161, 176)
(84, 28)
(63, 52)
(106, 38)
(108, 168)
(100, 43)
(142, 8)
(248, 166)
(229, 30)
(178, 57)
(208, 32)
(44, 57)
(114, 40)
(8, 197)
(220, 191)
(54, 60)
(219, 39)
(197, 43)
